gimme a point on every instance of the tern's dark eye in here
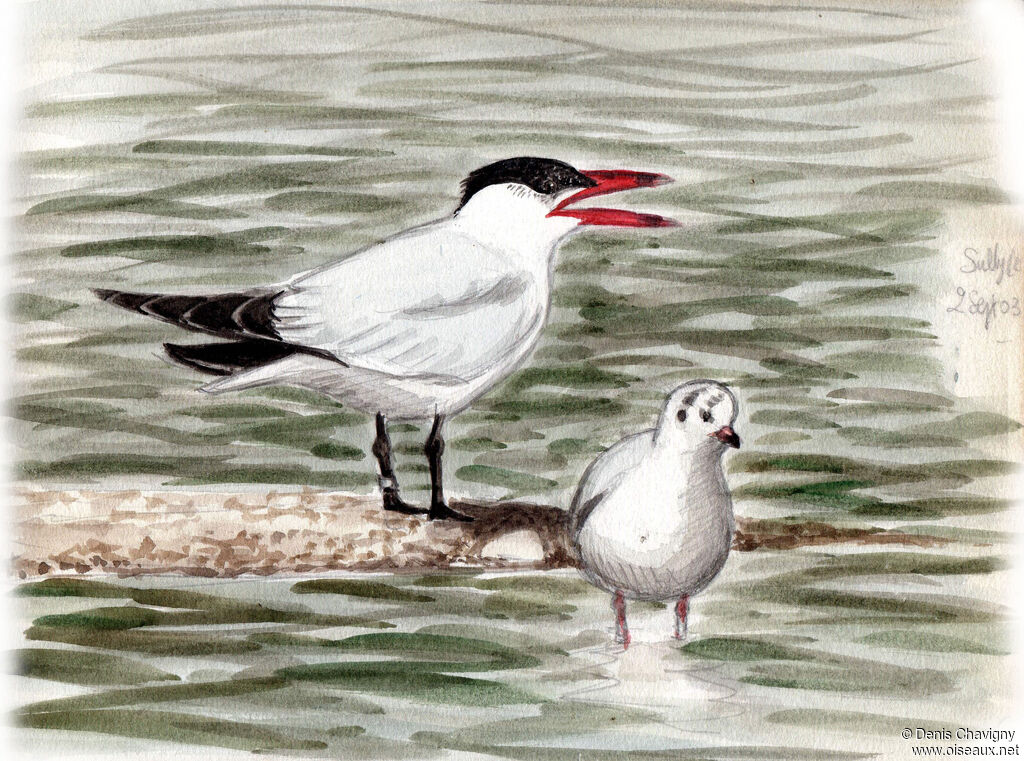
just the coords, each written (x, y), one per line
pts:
(705, 415)
(681, 415)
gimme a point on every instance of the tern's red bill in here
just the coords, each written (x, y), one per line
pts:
(614, 181)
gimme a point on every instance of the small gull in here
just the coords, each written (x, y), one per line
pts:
(652, 518)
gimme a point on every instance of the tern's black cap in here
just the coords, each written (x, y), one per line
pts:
(545, 176)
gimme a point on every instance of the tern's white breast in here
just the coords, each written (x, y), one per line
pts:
(418, 396)
(422, 324)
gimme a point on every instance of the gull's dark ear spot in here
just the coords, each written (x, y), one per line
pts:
(681, 415)
(705, 415)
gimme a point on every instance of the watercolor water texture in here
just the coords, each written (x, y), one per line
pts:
(822, 153)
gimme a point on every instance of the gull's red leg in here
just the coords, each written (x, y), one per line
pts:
(681, 609)
(621, 630)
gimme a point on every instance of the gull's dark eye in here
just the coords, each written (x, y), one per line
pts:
(681, 415)
(705, 415)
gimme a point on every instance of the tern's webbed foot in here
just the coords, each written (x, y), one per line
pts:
(441, 512)
(392, 501)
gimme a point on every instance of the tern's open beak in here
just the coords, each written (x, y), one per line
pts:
(727, 436)
(612, 181)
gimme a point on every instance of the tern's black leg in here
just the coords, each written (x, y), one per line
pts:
(433, 449)
(387, 479)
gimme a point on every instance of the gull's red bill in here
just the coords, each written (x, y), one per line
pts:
(614, 181)
(727, 436)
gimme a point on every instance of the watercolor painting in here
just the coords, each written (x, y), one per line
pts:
(533, 380)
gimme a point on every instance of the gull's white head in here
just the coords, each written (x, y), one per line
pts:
(699, 415)
(524, 203)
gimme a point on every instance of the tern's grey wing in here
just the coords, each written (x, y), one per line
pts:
(434, 303)
(604, 474)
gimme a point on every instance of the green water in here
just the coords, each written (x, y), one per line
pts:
(816, 154)
(791, 655)
(819, 154)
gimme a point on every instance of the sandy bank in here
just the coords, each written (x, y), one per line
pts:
(227, 534)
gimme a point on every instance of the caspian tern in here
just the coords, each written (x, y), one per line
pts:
(417, 326)
(652, 517)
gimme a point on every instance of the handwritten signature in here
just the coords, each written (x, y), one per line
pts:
(1005, 264)
(972, 303)
(995, 266)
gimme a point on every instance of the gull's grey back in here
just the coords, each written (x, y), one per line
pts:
(604, 474)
